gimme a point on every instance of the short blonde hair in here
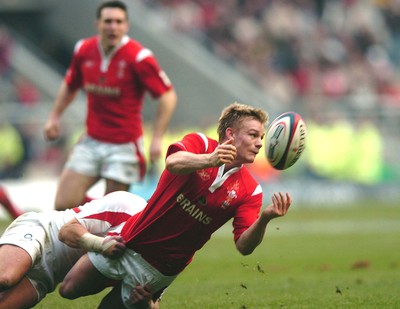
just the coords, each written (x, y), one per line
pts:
(232, 116)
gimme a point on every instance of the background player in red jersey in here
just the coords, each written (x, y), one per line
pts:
(204, 185)
(116, 72)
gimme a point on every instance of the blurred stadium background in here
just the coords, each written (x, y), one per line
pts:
(335, 62)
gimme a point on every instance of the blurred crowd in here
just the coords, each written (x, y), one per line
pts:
(20, 138)
(315, 50)
(323, 56)
(319, 54)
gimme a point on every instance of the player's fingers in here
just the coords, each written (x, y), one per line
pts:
(135, 296)
(140, 293)
(289, 198)
(286, 202)
(275, 199)
(283, 198)
(281, 203)
(147, 288)
(228, 142)
(227, 157)
(119, 239)
(278, 198)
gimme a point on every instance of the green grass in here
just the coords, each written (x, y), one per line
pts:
(335, 257)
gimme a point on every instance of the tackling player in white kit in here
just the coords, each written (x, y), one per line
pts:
(32, 258)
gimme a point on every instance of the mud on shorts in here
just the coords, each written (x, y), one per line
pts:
(120, 162)
(132, 269)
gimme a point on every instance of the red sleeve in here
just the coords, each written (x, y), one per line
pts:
(73, 76)
(153, 77)
(246, 214)
(192, 142)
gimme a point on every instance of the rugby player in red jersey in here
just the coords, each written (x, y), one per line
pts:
(204, 185)
(116, 72)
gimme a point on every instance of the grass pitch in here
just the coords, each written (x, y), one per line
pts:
(333, 257)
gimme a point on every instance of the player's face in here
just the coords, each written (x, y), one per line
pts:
(248, 140)
(112, 26)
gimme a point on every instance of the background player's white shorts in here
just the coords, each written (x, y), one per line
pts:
(132, 269)
(120, 162)
(28, 233)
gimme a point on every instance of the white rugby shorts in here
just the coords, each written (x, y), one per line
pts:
(132, 269)
(28, 233)
(119, 162)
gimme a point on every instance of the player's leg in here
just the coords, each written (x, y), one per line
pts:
(123, 165)
(112, 299)
(22, 295)
(72, 189)
(15, 263)
(112, 186)
(138, 280)
(83, 279)
(5, 200)
(80, 173)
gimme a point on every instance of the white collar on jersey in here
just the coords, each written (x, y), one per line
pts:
(105, 59)
(221, 177)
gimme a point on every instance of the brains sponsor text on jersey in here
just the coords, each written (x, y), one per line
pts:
(103, 90)
(192, 209)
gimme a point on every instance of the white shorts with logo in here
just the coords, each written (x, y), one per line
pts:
(28, 233)
(132, 269)
(119, 162)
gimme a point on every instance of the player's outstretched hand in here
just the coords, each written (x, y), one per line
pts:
(279, 207)
(113, 247)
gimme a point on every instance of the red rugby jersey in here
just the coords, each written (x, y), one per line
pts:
(115, 86)
(185, 210)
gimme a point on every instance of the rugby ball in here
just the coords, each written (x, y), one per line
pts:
(285, 140)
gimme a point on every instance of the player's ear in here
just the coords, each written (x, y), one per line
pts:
(229, 133)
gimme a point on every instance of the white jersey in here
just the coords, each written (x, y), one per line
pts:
(37, 233)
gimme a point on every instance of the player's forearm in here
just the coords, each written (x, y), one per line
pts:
(64, 97)
(71, 233)
(252, 237)
(183, 162)
(166, 108)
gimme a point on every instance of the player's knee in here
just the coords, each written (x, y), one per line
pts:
(66, 290)
(7, 281)
(61, 204)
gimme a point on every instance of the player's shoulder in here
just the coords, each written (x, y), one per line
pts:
(141, 54)
(195, 142)
(251, 185)
(125, 202)
(114, 202)
(208, 142)
(85, 43)
(123, 199)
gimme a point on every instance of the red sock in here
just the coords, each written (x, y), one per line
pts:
(8, 205)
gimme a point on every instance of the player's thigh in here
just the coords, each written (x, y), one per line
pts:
(23, 295)
(112, 186)
(14, 263)
(123, 163)
(72, 188)
(83, 279)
